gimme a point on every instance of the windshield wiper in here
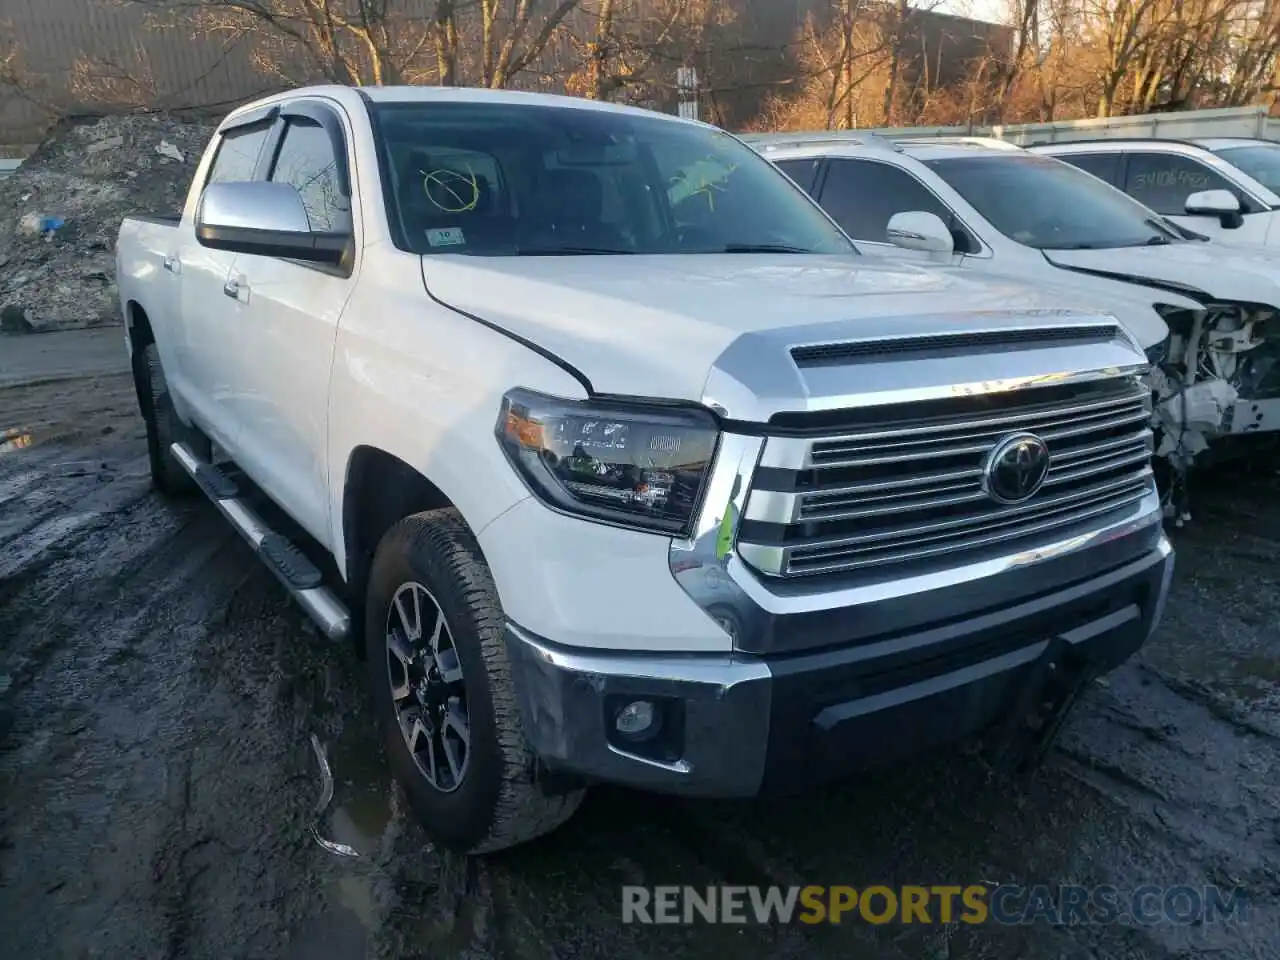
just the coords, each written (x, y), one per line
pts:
(569, 251)
(1171, 230)
(1156, 241)
(763, 248)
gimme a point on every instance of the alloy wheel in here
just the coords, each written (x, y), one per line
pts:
(427, 689)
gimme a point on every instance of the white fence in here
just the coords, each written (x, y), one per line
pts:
(1188, 124)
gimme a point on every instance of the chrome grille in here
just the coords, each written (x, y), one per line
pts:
(903, 487)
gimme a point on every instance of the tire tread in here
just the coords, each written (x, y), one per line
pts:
(523, 811)
(163, 428)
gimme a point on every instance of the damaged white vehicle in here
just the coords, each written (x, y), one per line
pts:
(988, 206)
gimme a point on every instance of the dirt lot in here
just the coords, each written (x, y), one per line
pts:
(157, 786)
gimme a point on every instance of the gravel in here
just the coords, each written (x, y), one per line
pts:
(61, 210)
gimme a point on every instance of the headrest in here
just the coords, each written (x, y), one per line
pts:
(574, 194)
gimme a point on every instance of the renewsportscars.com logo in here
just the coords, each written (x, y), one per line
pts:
(942, 903)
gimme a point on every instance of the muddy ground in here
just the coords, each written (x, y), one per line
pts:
(157, 786)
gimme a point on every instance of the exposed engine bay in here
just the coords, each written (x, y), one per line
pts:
(1217, 383)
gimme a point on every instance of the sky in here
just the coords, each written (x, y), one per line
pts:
(992, 10)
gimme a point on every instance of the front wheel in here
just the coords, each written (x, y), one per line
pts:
(443, 690)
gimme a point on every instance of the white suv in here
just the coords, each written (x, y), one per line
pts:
(986, 205)
(1226, 188)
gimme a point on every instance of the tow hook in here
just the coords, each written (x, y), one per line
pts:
(1040, 707)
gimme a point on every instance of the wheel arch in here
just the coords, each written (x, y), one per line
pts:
(379, 490)
(137, 326)
(139, 336)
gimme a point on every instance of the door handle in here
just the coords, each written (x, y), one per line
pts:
(236, 289)
(173, 264)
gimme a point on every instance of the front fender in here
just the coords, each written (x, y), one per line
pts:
(424, 384)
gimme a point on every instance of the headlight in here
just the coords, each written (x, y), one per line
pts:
(637, 466)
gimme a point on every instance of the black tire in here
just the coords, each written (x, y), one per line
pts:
(163, 426)
(496, 803)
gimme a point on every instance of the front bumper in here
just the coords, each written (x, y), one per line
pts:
(736, 724)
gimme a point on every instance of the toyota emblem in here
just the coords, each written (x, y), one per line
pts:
(1016, 468)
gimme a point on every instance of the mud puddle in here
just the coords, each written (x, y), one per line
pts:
(158, 694)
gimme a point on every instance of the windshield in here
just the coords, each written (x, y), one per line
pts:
(501, 179)
(1259, 160)
(1051, 205)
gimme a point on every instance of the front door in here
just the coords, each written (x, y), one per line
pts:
(287, 325)
(863, 196)
(207, 346)
(1163, 181)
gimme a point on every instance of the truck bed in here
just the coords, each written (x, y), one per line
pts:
(164, 220)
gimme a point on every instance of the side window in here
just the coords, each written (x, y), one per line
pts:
(863, 195)
(1104, 166)
(306, 160)
(803, 172)
(238, 154)
(1163, 181)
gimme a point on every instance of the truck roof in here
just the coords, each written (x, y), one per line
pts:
(429, 94)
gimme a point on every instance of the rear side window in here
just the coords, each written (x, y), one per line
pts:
(307, 161)
(1260, 161)
(1163, 181)
(1104, 166)
(238, 154)
(803, 172)
(863, 195)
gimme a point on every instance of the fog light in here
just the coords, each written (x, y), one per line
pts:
(637, 720)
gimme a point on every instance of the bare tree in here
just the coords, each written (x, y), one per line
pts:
(378, 42)
(1108, 57)
(1025, 20)
(839, 57)
(627, 43)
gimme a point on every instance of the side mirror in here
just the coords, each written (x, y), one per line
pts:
(917, 230)
(264, 218)
(1222, 204)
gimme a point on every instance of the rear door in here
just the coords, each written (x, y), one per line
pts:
(288, 322)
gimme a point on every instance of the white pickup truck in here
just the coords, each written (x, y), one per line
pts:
(628, 467)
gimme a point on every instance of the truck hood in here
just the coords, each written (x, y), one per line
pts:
(1204, 270)
(655, 325)
(1133, 304)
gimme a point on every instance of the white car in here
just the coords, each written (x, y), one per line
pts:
(1227, 188)
(993, 209)
(625, 466)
